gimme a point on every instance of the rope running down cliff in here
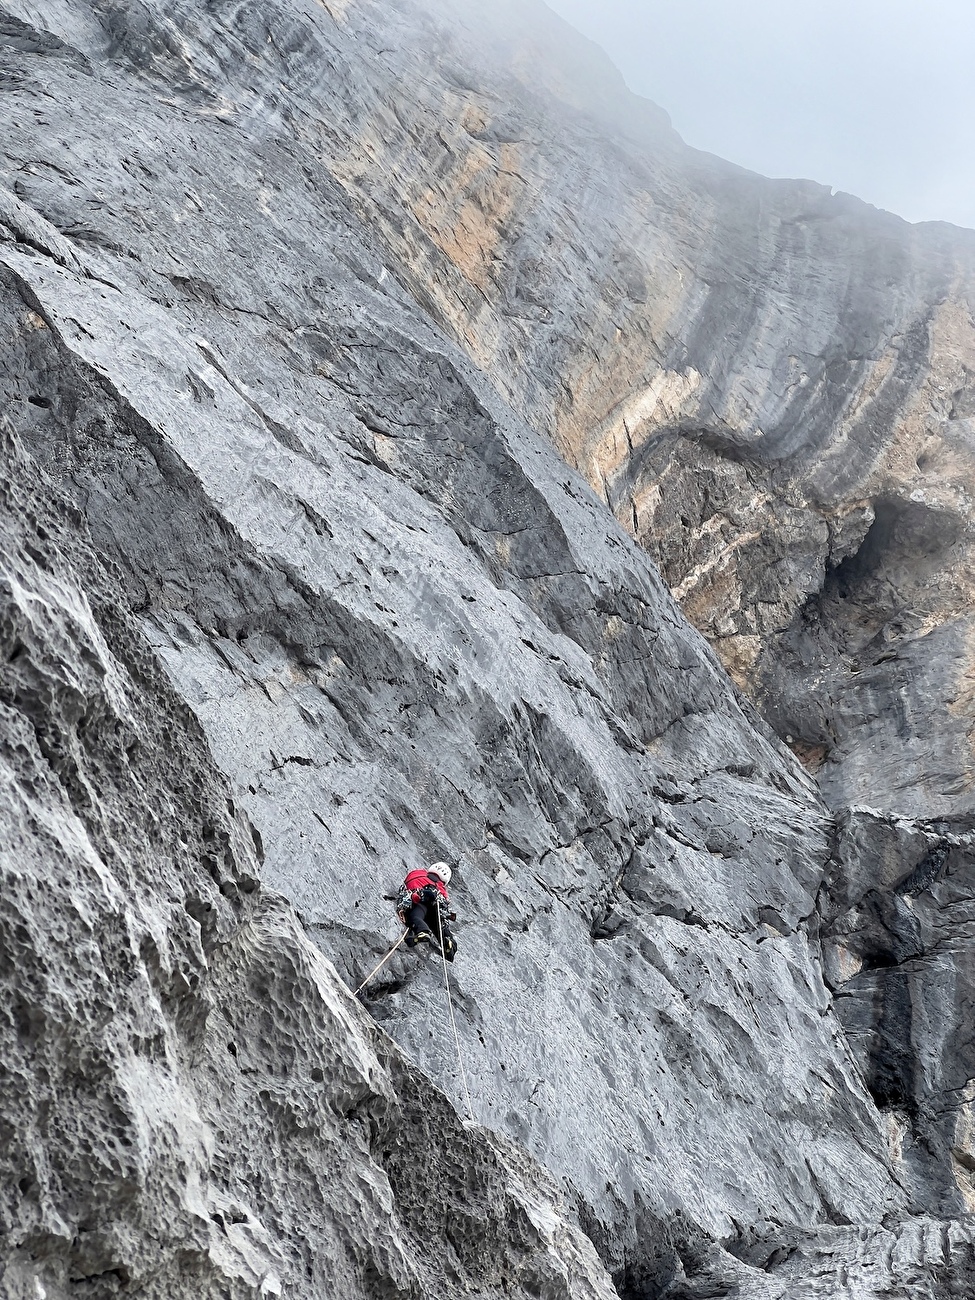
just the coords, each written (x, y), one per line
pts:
(453, 1022)
(374, 973)
(450, 1008)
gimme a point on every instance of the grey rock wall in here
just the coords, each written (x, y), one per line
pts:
(251, 330)
(769, 383)
(191, 1103)
(369, 726)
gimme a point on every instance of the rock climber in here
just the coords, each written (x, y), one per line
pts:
(424, 907)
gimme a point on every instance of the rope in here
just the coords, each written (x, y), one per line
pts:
(381, 964)
(450, 1004)
(453, 1022)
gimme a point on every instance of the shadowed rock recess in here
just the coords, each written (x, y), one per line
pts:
(353, 357)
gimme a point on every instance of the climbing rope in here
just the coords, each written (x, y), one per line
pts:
(453, 1022)
(381, 964)
(450, 1003)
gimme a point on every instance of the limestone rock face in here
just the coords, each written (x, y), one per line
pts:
(300, 304)
(191, 1103)
(770, 384)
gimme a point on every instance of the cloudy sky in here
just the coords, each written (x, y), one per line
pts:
(876, 97)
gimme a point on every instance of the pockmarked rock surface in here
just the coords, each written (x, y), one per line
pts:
(192, 1102)
(303, 309)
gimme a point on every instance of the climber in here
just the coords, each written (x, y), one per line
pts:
(424, 907)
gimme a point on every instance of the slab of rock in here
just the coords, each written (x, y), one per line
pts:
(328, 308)
(635, 880)
(191, 1102)
(770, 384)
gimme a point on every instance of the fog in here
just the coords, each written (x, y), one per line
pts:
(876, 97)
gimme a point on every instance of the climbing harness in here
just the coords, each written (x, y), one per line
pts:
(381, 964)
(453, 1022)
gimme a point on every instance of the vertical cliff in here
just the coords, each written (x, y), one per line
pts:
(192, 1102)
(317, 319)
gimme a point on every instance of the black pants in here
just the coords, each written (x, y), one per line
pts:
(424, 917)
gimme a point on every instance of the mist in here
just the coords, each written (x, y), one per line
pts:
(874, 97)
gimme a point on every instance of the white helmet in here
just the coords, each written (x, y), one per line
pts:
(442, 870)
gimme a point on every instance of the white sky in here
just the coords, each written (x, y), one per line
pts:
(876, 97)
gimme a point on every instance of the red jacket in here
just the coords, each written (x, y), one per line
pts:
(418, 880)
